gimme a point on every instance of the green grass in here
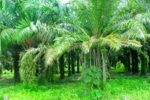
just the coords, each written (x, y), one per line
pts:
(120, 87)
(128, 88)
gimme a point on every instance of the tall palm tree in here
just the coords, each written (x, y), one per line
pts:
(94, 18)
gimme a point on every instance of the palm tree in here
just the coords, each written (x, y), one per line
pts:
(94, 18)
(19, 27)
(133, 21)
(91, 23)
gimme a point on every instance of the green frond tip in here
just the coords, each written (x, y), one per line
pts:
(55, 51)
(131, 43)
(112, 41)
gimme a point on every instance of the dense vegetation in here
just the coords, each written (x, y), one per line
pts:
(49, 44)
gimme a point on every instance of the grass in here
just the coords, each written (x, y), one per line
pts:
(120, 87)
(128, 88)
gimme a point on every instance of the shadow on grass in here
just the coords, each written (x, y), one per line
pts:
(5, 83)
(58, 84)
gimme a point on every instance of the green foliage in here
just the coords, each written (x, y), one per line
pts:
(28, 67)
(45, 76)
(120, 67)
(94, 23)
(92, 77)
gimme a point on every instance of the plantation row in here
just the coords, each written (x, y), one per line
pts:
(40, 39)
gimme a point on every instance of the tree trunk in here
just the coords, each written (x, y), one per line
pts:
(1, 69)
(73, 62)
(143, 64)
(11, 69)
(61, 67)
(148, 62)
(99, 62)
(78, 64)
(94, 55)
(16, 67)
(134, 58)
(84, 61)
(126, 61)
(104, 65)
(50, 74)
(69, 65)
(16, 49)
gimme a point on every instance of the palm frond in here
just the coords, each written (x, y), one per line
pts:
(7, 36)
(115, 42)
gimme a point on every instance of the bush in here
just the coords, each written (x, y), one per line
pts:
(92, 77)
(92, 80)
(120, 67)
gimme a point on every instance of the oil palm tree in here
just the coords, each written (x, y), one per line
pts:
(20, 26)
(94, 17)
(134, 21)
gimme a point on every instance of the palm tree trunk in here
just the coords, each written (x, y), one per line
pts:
(94, 57)
(98, 58)
(16, 51)
(104, 65)
(50, 73)
(134, 56)
(73, 62)
(1, 69)
(126, 61)
(61, 67)
(84, 61)
(78, 64)
(144, 64)
(148, 62)
(69, 65)
(16, 67)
